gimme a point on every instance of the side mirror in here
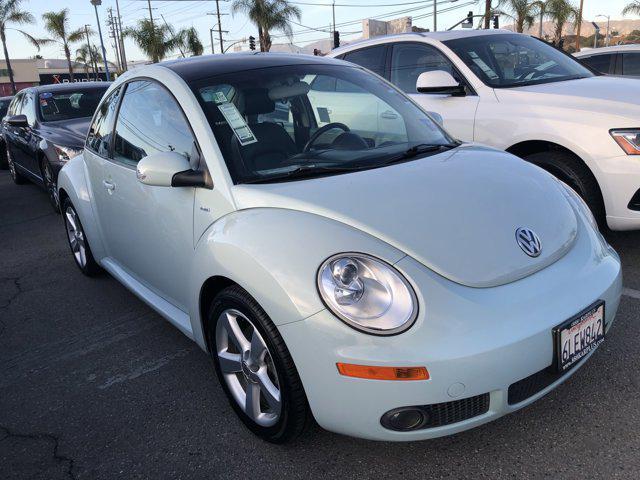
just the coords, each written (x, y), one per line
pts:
(439, 82)
(18, 121)
(170, 169)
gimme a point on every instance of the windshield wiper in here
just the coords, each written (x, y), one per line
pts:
(304, 171)
(420, 149)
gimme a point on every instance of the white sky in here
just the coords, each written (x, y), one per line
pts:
(186, 13)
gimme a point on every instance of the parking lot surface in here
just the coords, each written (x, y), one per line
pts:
(94, 384)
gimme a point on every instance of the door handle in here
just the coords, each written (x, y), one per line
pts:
(108, 185)
(389, 115)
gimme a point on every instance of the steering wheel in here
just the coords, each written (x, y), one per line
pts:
(321, 131)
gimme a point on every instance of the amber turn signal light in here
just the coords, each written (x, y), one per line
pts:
(373, 372)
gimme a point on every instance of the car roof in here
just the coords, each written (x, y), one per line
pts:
(75, 86)
(203, 66)
(438, 36)
(613, 49)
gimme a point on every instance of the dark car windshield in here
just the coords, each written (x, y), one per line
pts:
(292, 121)
(68, 104)
(502, 61)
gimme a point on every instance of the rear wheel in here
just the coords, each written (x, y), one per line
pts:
(17, 177)
(50, 184)
(571, 170)
(255, 368)
(78, 240)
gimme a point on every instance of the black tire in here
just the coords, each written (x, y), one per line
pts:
(571, 170)
(89, 267)
(50, 184)
(294, 412)
(17, 177)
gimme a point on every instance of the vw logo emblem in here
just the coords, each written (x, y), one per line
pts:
(529, 242)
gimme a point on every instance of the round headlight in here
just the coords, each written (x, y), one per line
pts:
(367, 294)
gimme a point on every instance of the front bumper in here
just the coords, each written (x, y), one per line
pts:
(473, 341)
(619, 179)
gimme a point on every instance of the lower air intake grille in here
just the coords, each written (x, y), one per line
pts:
(634, 204)
(441, 414)
(528, 387)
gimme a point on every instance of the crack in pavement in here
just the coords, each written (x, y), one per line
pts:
(42, 436)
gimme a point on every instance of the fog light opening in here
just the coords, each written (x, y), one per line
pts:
(404, 419)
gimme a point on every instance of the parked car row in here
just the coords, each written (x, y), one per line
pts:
(44, 127)
(622, 60)
(339, 253)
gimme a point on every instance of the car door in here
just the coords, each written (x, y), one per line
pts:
(408, 61)
(28, 137)
(148, 230)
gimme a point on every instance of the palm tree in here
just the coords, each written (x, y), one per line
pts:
(268, 15)
(522, 12)
(189, 42)
(88, 55)
(57, 24)
(633, 8)
(10, 13)
(156, 41)
(560, 12)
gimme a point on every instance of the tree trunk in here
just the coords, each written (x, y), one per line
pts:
(7, 61)
(520, 25)
(487, 15)
(261, 38)
(67, 54)
(86, 71)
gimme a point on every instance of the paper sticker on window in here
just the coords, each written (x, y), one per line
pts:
(220, 98)
(238, 125)
(485, 68)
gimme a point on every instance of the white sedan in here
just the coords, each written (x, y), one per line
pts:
(392, 283)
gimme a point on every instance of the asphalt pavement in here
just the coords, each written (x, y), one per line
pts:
(95, 385)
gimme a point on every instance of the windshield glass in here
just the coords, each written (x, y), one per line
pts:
(276, 122)
(69, 104)
(502, 61)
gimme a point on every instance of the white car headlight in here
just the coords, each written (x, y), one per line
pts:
(367, 293)
(628, 139)
(66, 153)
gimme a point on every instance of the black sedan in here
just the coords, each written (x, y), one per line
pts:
(45, 127)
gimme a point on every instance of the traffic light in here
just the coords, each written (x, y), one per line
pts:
(252, 43)
(496, 21)
(470, 18)
(336, 39)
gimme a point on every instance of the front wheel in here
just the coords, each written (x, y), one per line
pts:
(50, 185)
(78, 240)
(255, 368)
(573, 172)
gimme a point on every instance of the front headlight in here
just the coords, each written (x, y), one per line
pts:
(628, 139)
(66, 153)
(367, 294)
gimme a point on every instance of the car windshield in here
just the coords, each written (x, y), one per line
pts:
(289, 122)
(68, 104)
(503, 61)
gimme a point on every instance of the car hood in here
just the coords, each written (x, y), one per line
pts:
(603, 94)
(71, 133)
(456, 212)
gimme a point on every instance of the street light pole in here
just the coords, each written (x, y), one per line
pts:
(435, 15)
(95, 4)
(608, 17)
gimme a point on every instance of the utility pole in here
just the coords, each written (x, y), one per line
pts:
(121, 39)
(219, 26)
(114, 36)
(211, 35)
(333, 8)
(153, 34)
(95, 4)
(487, 14)
(435, 16)
(579, 27)
(172, 34)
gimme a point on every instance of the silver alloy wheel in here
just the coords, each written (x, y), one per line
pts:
(76, 236)
(50, 184)
(248, 368)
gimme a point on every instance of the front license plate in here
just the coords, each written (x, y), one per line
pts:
(578, 336)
